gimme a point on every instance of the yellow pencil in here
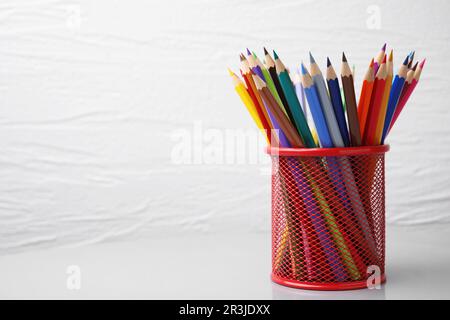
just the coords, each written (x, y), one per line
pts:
(384, 101)
(246, 99)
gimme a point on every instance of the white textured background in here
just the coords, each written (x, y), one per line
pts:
(92, 91)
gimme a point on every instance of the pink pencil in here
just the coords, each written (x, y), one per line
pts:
(379, 59)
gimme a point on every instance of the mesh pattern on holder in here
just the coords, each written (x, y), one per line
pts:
(328, 217)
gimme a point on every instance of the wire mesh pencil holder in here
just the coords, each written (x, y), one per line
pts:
(328, 217)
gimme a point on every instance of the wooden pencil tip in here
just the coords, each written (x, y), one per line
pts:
(242, 57)
(422, 64)
(248, 52)
(265, 51)
(344, 58)
(415, 66)
(311, 58)
(328, 62)
(384, 59)
(254, 55)
(371, 63)
(230, 72)
(384, 47)
(411, 55)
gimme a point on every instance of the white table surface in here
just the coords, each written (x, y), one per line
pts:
(214, 267)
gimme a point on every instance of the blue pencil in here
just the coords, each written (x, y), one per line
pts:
(394, 96)
(343, 164)
(325, 103)
(316, 110)
(336, 101)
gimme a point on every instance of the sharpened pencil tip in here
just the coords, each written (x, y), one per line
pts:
(384, 47)
(371, 63)
(328, 62)
(304, 70)
(265, 51)
(242, 57)
(422, 63)
(248, 52)
(254, 54)
(410, 63)
(230, 72)
(391, 55)
(411, 55)
(275, 56)
(406, 61)
(311, 58)
(415, 66)
(344, 58)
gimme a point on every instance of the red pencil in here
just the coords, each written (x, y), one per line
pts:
(375, 105)
(414, 75)
(251, 88)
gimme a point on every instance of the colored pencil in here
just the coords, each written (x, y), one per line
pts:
(336, 101)
(325, 103)
(350, 101)
(273, 138)
(270, 84)
(365, 96)
(408, 92)
(411, 59)
(384, 101)
(322, 220)
(316, 109)
(262, 113)
(246, 99)
(394, 97)
(375, 104)
(270, 65)
(294, 105)
(253, 65)
(379, 59)
(340, 168)
(282, 120)
(297, 82)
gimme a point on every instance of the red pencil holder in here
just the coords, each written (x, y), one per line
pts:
(328, 217)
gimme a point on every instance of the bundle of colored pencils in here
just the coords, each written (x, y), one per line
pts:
(280, 101)
(277, 98)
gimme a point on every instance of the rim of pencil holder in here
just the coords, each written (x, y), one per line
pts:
(323, 152)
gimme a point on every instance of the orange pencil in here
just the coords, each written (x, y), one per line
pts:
(384, 101)
(364, 98)
(253, 92)
(375, 105)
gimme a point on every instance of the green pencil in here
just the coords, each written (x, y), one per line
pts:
(270, 84)
(294, 104)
